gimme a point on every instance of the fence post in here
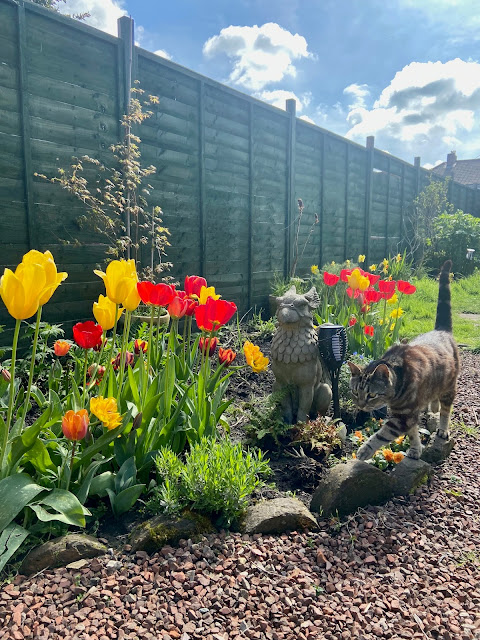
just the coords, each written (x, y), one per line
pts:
(416, 164)
(345, 221)
(250, 205)
(387, 207)
(201, 180)
(25, 125)
(125, 26)
(370, 146)
(291, 240)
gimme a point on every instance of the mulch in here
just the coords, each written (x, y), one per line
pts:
(408, 569)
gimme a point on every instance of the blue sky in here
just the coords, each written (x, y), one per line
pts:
(406, 71)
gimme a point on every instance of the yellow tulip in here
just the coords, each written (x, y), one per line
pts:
(206, 293)
(357, 281)
(21, 290)
(361, 258)
(120, 281)
(254, 357)
(393, 299)
(397, 313)
(53, 278)
(104, 312)
(314, 269)
(106, 410)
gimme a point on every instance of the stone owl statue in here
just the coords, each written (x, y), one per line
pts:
(296, 362)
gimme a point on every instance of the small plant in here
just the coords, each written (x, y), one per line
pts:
(265, 420)
(216, 478)
(260, 328)
(469, 430)
(320, 434)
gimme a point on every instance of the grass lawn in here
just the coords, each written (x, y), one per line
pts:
(420, 309)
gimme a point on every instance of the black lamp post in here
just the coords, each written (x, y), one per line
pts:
(332, 344)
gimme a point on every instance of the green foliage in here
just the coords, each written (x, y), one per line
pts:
(216, 478)
(452, 235)
(258, 328)
(265, 418)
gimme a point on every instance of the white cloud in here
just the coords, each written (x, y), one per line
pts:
(358, 92)
(307, 119)
(428, 108)
(163, 54)
(262, 55)
(278, 98)
(103, 13)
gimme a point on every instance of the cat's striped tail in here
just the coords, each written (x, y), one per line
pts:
(443, 321)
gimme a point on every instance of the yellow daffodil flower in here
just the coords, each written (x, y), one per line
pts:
(393, 299)
(385, 263)
(357, 281)
(361, 258)
(120, 281)
(314, 269)
(104, 312)
(206, 293)
(372, 267)
(397, 313)
(398, 257)
(347, 263)
(106, 410)
(255, 358)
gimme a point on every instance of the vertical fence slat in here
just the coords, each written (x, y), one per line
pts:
(345, 233)
(402, 207)
(370, 146)
(290, 225)
(250, 204)
(322, 200)
(25, 125)
(201, 179)
(387, 207)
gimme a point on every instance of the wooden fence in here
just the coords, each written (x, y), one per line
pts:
(229, 168)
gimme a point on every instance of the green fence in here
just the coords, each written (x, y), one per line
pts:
(229, 168)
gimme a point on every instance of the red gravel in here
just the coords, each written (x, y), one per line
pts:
(409, 569)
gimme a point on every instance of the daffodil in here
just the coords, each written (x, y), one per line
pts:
(397, 313)
(206, 293)
(398, 257)
(361, 258)
(347, 263)
(372, 267)
(393, 299)
(104, 311)
(314, 269)
(120, 281)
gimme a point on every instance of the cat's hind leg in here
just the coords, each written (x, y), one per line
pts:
(446, 403)
(415, 450)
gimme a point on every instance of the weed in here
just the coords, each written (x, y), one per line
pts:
(469, 430)
(469, 557)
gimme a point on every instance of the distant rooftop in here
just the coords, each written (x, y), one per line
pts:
(464, 171)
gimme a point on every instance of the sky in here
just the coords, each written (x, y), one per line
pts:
(404, 71)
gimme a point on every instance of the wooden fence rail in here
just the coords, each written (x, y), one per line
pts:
(229, 168)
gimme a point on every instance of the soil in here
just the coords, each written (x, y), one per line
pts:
(408, 569)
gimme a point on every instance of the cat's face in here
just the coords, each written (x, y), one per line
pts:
(371, 388)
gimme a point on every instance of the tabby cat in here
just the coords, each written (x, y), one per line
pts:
(409, 379)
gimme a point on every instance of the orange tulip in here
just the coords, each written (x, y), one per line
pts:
(75, 425)
(61, 347)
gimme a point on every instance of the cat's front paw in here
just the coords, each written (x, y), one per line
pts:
(414, 454)
(364, 453)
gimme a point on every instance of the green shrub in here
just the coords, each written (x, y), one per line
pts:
(216, 478)
(453, 234)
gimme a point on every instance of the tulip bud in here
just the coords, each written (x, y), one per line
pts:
(208, 345)
(6, 375)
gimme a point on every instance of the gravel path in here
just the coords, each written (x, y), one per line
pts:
(409, 569)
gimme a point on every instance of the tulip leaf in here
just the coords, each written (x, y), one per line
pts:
(23, 443)
(101, 483)
(134, 387)
(10, 540)
(16, 492)
(102, 442)
(38, 396)
(124, 501)
(85, 488)
(126, 475)
(66, 508)
(39, 457)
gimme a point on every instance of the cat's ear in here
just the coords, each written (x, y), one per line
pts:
(356, 371)
(382, 371)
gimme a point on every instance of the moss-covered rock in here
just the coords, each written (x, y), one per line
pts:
(409, 474)
(277, 516)
(157, 532)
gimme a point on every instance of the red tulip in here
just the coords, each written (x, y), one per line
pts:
(330, 279)
(369, 330)
(387, 287)
(193, 284)
(345, 274)
(373, 278)
(405, 287)
(226, 356)
(191, 302)
(98, 346)
(208, 345)
(87, 334)
(352, 321)
(177, 307)
(160, 295)
(97, 372)
(214, 314)
(371, 295)
(61, 347)
(140, 345)
(353, 294)
(75, 425)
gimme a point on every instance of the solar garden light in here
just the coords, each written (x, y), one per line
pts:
(470, 253)
(332, 344)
